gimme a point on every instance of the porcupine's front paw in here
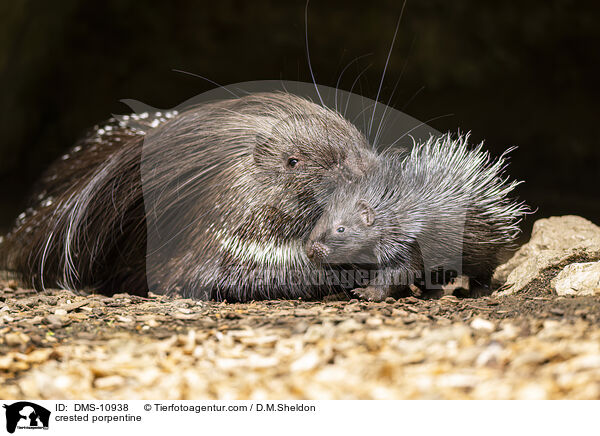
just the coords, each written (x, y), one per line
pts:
(372, 293)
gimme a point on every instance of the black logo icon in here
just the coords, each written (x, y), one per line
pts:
(26, 415)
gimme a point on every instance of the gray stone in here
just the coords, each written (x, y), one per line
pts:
(578, 279)
(555, 242)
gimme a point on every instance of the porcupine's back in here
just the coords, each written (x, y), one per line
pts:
(76, 229)
(461, 198)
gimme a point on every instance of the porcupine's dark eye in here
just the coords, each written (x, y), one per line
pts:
(340, 229)
(292, 162)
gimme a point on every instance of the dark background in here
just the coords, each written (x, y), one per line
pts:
(514, 73)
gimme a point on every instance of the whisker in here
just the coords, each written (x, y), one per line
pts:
(413, 97)
(382, 122)
(386, 65)
(416, 127)
(207, 79)
(308, 53)
(337, 85)
(354, 84)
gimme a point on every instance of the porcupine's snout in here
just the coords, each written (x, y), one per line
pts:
(316, 251)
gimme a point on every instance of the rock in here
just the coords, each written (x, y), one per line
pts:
(15, 339)
(578, 279)
(528, 359)
(109, 382)
(306, 362)
(483, 325)
(71, 306)
(260, 341)
(6, 362)
(124, 319)
(532, 391)
(373, 322)
(508, 333)
(54, 321)
(349, 325)
(490, 356)
(555, 242)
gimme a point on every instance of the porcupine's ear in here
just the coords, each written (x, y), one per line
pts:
(367, 214)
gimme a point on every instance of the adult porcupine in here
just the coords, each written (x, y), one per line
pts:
(228, 189)
(442, 207)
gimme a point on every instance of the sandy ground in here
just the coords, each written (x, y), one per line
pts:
(56, 344)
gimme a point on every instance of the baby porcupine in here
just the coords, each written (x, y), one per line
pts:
(443, 208)
(212, 203)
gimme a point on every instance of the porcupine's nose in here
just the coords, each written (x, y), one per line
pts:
(316, 251)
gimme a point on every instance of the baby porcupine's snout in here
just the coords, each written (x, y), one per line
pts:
(316, 251)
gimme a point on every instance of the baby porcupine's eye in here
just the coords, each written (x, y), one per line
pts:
(292, 162)
(340, 229)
